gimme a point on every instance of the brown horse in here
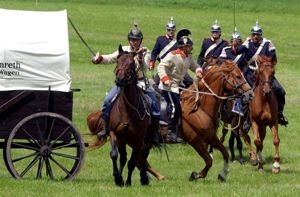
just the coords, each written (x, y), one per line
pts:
(238, 129)
(128, 123)
(200, 104)
(264, 110)
(96, 125)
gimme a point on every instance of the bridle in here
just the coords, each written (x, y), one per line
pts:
(128, 70)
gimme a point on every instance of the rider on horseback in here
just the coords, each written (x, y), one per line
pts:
(211, 47)
(171, 71)
(142, 58)
(257, 45)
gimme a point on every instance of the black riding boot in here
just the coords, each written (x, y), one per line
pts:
(281, 119)
(153, 131)
(172, 136)
(104, 132)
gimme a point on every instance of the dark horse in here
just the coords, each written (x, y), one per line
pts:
(129, 120)
(200, 104)
(264, 110)
(237, 130)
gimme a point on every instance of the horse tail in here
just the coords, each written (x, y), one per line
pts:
(95, 125)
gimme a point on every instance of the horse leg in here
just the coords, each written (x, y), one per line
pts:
(247, 140)
(152, 171)
(219, 145)
(231, 146)
(239, 146)
(276, 141)
(144, 179)
(131, 165)
(224, 132)
(259, 135)
(202, 150)
(114, 157)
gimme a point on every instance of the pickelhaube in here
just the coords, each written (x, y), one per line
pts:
(236, 35)
(256, 29)
(215, 27)
(171, 24)
(135, 33)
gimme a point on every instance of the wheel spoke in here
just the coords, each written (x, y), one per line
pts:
(24, 145)
(31, 139)
(65, 155)
(30, 166)
(59, 137)
(69, 145)
(59, 165)
(40, 168)
(24, 157)
(49, 169)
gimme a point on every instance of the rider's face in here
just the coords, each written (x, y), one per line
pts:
(171, 31)
(215, 34)
(135, 43)
(256, 37)
(187, 50)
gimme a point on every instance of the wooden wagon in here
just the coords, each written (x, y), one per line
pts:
(37, 134)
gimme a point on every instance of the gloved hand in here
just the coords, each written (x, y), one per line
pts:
(166, 80)
(151, 65)
(199, 73)
(167, 83)
(97, 58)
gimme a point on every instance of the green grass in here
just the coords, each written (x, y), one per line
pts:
(104, 25)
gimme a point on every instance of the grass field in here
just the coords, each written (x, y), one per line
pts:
(104, 25)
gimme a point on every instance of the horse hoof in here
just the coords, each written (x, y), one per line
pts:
(128, 183)
(145, 181)
(254, 162)
(261, 169)
(242, 161)
(221, 178)
(194, 176)
(276, 167)
(119, 181)
(275, 170)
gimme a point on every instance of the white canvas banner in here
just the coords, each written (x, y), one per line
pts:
(34, 50)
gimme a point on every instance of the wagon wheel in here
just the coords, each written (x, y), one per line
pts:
(44, 144)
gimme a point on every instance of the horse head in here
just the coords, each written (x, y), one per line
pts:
(266, 73)
(125, 69)
(234, 81)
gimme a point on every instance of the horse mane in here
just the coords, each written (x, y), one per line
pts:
(213, 72)
(211, 75)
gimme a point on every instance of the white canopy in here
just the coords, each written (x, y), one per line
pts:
(34, 50)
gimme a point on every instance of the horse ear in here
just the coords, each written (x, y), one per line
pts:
(120, 49)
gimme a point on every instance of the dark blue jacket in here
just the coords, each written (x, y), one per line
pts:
(249, 49)
(207, 42)
(160, 44)
(240, 60)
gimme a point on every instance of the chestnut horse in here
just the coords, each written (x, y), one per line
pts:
(264, 110)
(200, 104)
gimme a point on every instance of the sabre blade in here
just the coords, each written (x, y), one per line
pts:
(81, 38)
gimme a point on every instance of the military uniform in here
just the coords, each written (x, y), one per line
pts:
(141, 59)
(211, 47)
(163, 45)
(263, 47)
(173, 69)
